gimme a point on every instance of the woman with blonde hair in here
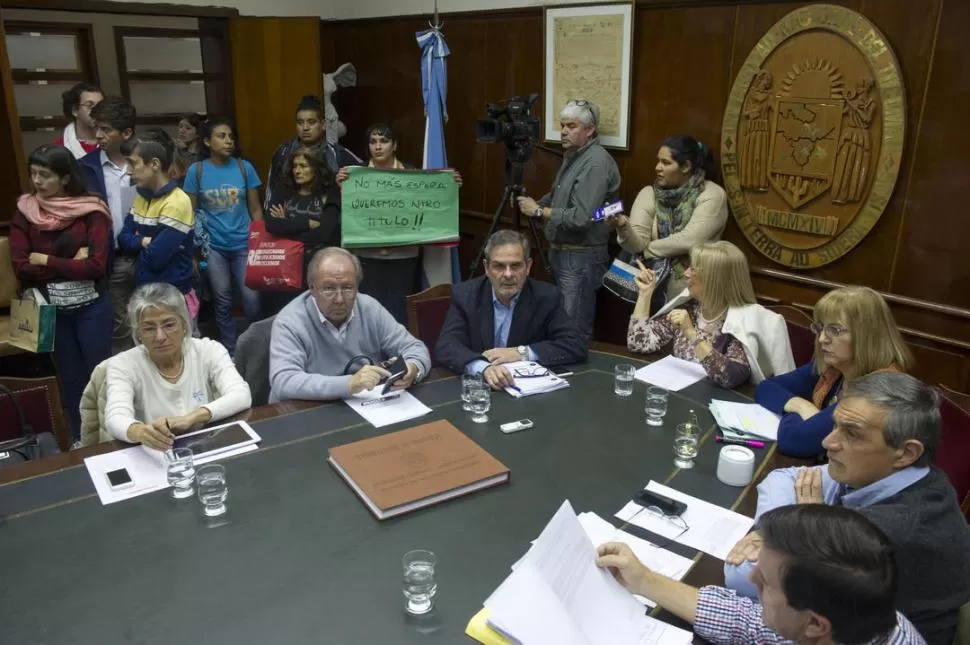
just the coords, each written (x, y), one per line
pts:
(855, 336)
(720, 326)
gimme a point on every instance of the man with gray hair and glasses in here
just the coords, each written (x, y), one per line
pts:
(880, 453)
(333, 342)
(588, 179)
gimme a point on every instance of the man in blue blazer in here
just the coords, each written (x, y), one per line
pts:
(506, 316)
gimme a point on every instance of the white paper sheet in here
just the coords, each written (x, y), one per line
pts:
(147, 473)
(747, 418)
(713, 530)
(656, 559)
(598, 609)
(671, 373)
(382, 411)
(527, 386)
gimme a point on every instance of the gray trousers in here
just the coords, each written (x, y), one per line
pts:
(121, 283)
(579, 273)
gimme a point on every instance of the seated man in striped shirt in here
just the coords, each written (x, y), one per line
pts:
(825, 576)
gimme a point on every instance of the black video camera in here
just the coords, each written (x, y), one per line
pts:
(510, 121)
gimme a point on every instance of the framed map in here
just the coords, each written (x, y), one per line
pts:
(588, 54)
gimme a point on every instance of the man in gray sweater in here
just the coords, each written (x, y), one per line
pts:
(887, 428)
(587, 180)
(328, 342)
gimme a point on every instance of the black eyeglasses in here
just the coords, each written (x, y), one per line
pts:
(532, 370)
(675, 520)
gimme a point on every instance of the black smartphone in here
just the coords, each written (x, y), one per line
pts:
(392, 379)
(666, 505)
(119, 479)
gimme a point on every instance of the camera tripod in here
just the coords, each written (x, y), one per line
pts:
(516, 154)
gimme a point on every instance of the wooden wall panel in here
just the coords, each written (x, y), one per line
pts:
(686, 55)
(13, 179)
(932, 258)
(275, 62)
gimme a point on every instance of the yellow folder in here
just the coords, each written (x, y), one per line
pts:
(479, 630)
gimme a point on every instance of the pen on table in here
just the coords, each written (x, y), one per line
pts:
(748, 443)
(516, 388)
(381, 400)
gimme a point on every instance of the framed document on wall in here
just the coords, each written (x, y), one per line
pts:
(588, 54)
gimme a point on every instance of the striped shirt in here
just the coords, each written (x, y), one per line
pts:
(724, 618)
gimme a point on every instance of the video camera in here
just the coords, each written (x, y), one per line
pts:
(510, 121)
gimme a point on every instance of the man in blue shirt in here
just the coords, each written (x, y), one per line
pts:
(506, 316)
(887, 428)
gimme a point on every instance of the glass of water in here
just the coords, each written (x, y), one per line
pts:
(180, 468)
(419, 583)
(623, 379)
(656, 405)
(480, 401)
(685, 445)
(468, 381)
(211, 481)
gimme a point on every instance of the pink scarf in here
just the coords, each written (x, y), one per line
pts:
(57, 213)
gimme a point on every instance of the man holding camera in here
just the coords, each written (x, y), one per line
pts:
(587, 180)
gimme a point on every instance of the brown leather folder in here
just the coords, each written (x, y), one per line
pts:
(410, 469)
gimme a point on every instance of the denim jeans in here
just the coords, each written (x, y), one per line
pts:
(82, 339)
(579, 273)
(226, 267)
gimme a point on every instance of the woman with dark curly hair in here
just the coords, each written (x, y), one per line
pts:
(306, 208)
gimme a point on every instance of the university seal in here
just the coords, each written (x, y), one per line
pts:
(812, 137)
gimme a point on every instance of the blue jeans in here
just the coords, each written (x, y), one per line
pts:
(82, 339)
(226, 267)
(579, 273)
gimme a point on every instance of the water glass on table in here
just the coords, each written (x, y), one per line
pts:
(686, 440)
(180, 469)
(656, 405)
(211, 481)
(468, 381)
(480, 402)
(419, 583)
(623, 379)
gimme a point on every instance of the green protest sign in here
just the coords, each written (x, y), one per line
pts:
(398, 207)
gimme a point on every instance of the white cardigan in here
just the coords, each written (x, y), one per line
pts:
(763, 333)
(138, 393)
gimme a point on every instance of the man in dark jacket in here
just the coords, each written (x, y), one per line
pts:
(887, 429)
(506, 316)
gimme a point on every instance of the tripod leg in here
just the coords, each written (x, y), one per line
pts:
(537, 241)
(477, 263)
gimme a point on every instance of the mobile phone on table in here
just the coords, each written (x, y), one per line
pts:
(515, 426)
(666, 505)
(119, 479)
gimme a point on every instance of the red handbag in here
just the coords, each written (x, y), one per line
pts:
(273, 263)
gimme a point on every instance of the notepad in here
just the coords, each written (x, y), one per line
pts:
(383, 410)
(532, 378)
(745, 420)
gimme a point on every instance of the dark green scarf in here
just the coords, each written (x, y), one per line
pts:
(674, 208)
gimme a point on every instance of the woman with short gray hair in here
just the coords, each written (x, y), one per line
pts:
(169, 383)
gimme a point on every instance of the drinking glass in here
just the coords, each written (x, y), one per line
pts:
(180, 468)
(656, 405)
(419, 583)
(686, 439)
(480, 401)
(211, 480)
(468, 381)
(623, 379)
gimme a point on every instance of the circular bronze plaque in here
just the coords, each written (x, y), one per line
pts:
(813, 136)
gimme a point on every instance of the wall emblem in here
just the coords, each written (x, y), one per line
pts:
(813, 136)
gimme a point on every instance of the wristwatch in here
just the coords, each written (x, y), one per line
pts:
(523, 352)
(538, 212)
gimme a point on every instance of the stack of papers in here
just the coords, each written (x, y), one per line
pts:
(557, 594)
(671, 373)
(393, 407)
(529, 385)
(745, 420)
(709, 528)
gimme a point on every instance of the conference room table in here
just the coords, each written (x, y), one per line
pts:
(298, 558)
